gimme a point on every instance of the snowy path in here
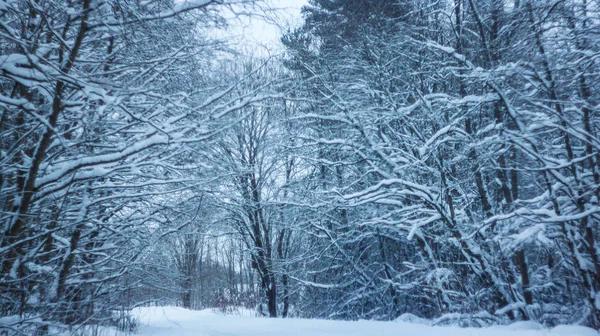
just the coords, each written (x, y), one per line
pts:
(172, 321)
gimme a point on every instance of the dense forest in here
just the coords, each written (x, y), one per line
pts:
(431, 157)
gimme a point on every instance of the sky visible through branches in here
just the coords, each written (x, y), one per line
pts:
(260, 31)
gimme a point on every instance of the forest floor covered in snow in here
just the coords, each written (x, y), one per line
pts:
(174, 321)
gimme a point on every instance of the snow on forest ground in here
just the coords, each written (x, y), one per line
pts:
(174, 321)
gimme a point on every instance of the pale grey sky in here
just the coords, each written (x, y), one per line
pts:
(260, 33)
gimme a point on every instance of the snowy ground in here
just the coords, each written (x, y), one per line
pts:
(173, 321)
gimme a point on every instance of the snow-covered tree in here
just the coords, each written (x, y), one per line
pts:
(102, 104)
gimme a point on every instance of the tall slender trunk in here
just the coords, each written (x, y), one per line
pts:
(21, 208)
(590, 278)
